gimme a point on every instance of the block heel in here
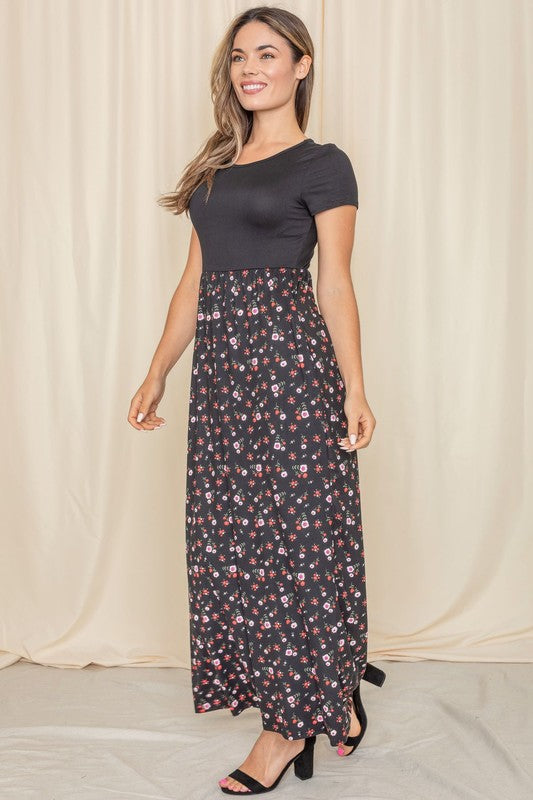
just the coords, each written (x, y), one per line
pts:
(374, 675)
(303, 769)
(303, 766)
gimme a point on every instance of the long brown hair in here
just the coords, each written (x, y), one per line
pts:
(234, 123)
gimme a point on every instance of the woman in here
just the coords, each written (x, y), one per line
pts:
(277, 410)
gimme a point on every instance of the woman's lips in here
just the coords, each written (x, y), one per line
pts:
(256, 88)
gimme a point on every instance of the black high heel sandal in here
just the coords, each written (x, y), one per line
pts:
(303, 769)
(372, 675)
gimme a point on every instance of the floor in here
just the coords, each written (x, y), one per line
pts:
(436, 731)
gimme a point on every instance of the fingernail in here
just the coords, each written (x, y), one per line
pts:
(352, 438)
(140, 416)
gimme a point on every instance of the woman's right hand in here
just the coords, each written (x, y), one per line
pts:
(145, 402)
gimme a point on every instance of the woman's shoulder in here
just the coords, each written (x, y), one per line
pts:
(328, 178)
(325, 147)
(326, 157)
(327, 153)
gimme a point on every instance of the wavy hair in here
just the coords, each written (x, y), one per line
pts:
(233, 122)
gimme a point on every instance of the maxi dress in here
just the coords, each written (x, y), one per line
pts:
(274, 540)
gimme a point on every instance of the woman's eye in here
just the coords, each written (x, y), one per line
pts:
(234, 58)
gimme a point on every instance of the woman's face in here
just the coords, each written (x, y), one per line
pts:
(263, 76)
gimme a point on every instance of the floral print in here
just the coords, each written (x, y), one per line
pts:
(274, 541)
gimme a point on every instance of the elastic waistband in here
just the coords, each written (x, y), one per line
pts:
(266, 266)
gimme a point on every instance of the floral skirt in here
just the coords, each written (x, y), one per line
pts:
(274, 541)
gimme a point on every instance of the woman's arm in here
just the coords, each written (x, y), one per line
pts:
(335, 293)
(338, 305)
(179, 330)
(180, 324)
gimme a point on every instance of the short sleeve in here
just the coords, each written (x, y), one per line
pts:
(329, 181)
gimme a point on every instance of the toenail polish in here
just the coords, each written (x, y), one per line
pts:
(340, 751)
(223, 780)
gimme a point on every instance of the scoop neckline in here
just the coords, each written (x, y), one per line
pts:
(275, 155)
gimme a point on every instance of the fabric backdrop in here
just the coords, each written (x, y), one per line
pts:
(103, 104)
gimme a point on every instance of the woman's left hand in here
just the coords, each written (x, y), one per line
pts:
(361, 422)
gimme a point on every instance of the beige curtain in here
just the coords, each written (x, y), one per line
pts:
(103, 103)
